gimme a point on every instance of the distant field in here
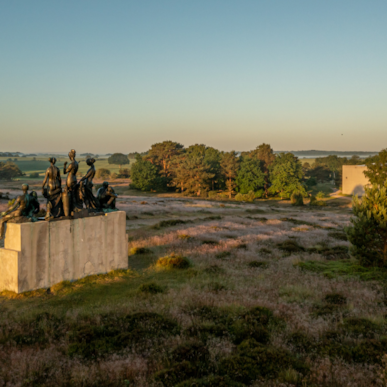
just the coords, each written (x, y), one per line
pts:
(28, 165)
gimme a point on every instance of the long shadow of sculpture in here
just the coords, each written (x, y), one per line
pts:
(76, 200)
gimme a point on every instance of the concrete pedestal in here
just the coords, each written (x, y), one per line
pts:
(41, 254)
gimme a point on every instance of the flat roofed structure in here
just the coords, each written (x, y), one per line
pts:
(354, 180)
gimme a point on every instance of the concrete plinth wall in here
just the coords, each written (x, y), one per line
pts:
(354, 180)
(41, 254)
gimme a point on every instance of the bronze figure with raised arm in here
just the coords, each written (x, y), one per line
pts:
(71, 197)
(53, 192)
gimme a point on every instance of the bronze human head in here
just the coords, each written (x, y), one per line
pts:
(90, 161)
(25, 187)
(34, 194)
(105, 184)
(52, 160)
(72, 154)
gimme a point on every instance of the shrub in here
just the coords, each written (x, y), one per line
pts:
(290, 246)
(368, 233)
(102, 173)
(335, 298)
(315, 202)
(124, 173)
(151, 288)
(320, 195)
(34, 175)
(297, 199)
(249, 197)
(211, 381)
(140, 250)
(168, 223)
(173, 262)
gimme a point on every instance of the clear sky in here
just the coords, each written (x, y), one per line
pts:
(106, 76)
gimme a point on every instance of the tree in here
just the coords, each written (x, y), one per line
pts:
(193, 175)
(320, 172)
(118, 159)
(9, 171)
(161, 155)
(102, 173)
(265, 153)
(377, 168)
(145, 175)
(368, 233)
(286, 175)
(230, 165)
(250, 175)
(211, 157)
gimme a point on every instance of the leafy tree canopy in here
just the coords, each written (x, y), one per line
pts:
(250, 175)
(377, 168)
(265, 153)
(9, 171)
(368, 233)
(118, 159)
(144, 175)
(230, 165)
(286, 175)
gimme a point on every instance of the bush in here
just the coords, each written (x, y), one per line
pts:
(315, 202)
(140, 250)
(368, 233)
(151, 288)
(102, 173)
(320, 195)
(173, 262)
(34, 175)
(297, 199)
(249, 197)
(124, 173)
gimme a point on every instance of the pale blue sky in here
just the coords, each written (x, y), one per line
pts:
(105, 76)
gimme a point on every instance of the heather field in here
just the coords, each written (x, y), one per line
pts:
(219, 293)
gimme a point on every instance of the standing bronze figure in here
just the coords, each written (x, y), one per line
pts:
(53, 192)
(71, 198)
(25, 205)
(107, 197)
(91, 202)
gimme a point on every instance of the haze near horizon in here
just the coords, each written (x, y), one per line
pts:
(119, 76)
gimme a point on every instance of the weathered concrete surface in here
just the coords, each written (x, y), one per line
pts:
(354, 180)
(39, 255)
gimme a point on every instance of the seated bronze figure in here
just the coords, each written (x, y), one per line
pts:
(107, 197)
(26, 205)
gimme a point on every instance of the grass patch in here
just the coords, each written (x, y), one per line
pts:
(330, 253)
(150, 288)
(265, 251)
(184, 236)
(339, 235)
(223, 255)
(255, 211)
(290, 247)
(344, 268)
(169, 223)
(305, 223)
(209, 242)
(173, 262)
(259, 264)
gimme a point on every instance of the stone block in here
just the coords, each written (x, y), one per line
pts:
(41, 254)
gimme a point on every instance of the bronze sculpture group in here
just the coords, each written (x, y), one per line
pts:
(75, 200)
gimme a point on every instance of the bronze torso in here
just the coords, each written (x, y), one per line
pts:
(72, 170)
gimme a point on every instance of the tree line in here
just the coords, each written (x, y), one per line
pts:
(201, 170)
